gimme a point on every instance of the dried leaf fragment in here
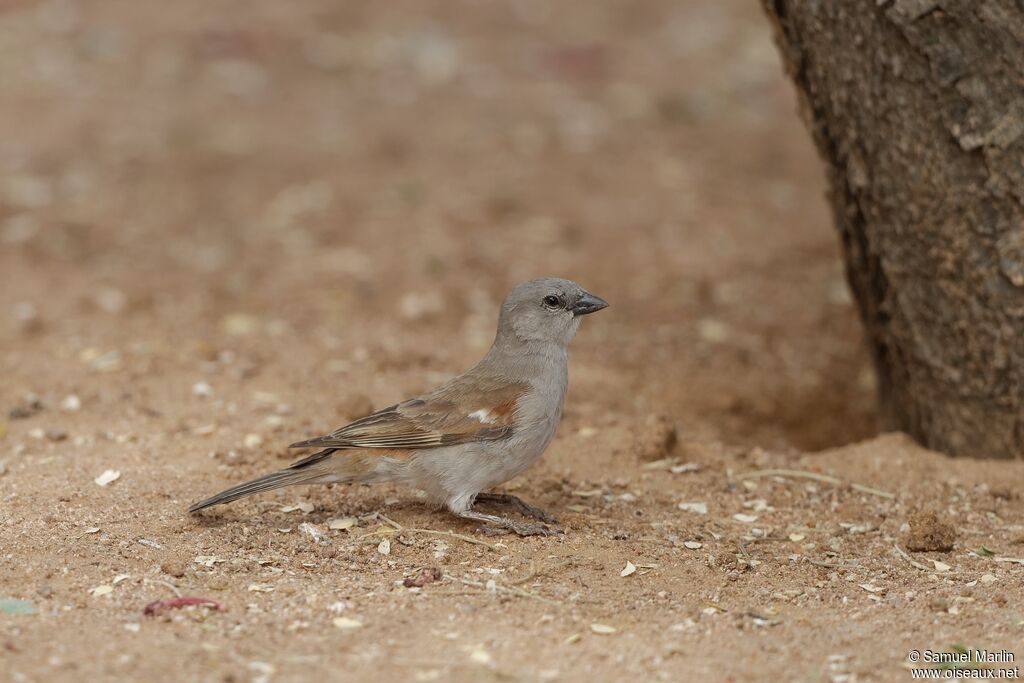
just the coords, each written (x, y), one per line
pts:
(347, 623)
(107, 477)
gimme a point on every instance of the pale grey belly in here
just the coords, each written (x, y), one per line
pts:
(455, 474)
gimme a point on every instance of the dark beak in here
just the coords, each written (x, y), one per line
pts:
(588, 303)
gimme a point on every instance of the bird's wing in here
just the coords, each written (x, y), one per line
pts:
(461, 411)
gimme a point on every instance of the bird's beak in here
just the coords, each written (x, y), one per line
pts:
(588, 303)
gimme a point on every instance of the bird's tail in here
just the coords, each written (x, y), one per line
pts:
(308, 471)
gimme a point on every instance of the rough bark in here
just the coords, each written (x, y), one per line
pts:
(917, 107)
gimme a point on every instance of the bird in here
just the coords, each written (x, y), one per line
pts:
(473, 433)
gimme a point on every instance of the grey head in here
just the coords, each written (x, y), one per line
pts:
(547, 309)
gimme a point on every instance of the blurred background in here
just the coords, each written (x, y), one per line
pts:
(325, 197)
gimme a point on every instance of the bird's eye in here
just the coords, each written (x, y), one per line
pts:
(551, 301)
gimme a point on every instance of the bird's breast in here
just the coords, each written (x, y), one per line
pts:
(537, 418)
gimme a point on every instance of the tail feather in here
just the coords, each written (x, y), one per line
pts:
(299, 473)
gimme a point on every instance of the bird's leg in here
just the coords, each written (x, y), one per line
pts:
(500, 525)
(517, 504)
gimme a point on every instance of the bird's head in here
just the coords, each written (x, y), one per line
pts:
(546, 309)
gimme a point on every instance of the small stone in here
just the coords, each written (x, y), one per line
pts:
(56, 434)
(1003, 493)
(111, 300)
(202, 389)
(419, 305)
(713, 331)
(697, 508)
(107, 362)
(252, 441)
(27, 317)
(71, 404)
(240, 324)
(173, 568)
(655, 438)
(426, 576)
(930, 533)
(21, 412)
(938, 604)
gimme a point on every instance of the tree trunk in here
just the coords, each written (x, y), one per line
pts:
(917, 107)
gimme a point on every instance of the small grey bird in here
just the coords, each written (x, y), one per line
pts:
(479, 430)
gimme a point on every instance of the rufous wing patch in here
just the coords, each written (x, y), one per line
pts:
(446, 416)
(483, 414)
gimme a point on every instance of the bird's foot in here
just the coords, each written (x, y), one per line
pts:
(517, 504)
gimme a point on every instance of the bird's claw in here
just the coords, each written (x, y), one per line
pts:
(517, 504)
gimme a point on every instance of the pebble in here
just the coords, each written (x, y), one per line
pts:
(240, 324)
(71, 404)
(713, 331)
(110, 300)
(202, 389)
(107, 362)
(655, 438)
(930, 533)
(27, 317)
(173, 568)
(56, 434)
(26, 410)
(419, 305)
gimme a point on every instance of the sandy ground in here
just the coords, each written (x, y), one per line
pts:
(228, 226)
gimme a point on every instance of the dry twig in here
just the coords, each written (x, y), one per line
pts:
(923, 567)
(506, 589)
(802, 474)
(435, 532)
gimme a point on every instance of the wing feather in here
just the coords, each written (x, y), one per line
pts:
(464, 410)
